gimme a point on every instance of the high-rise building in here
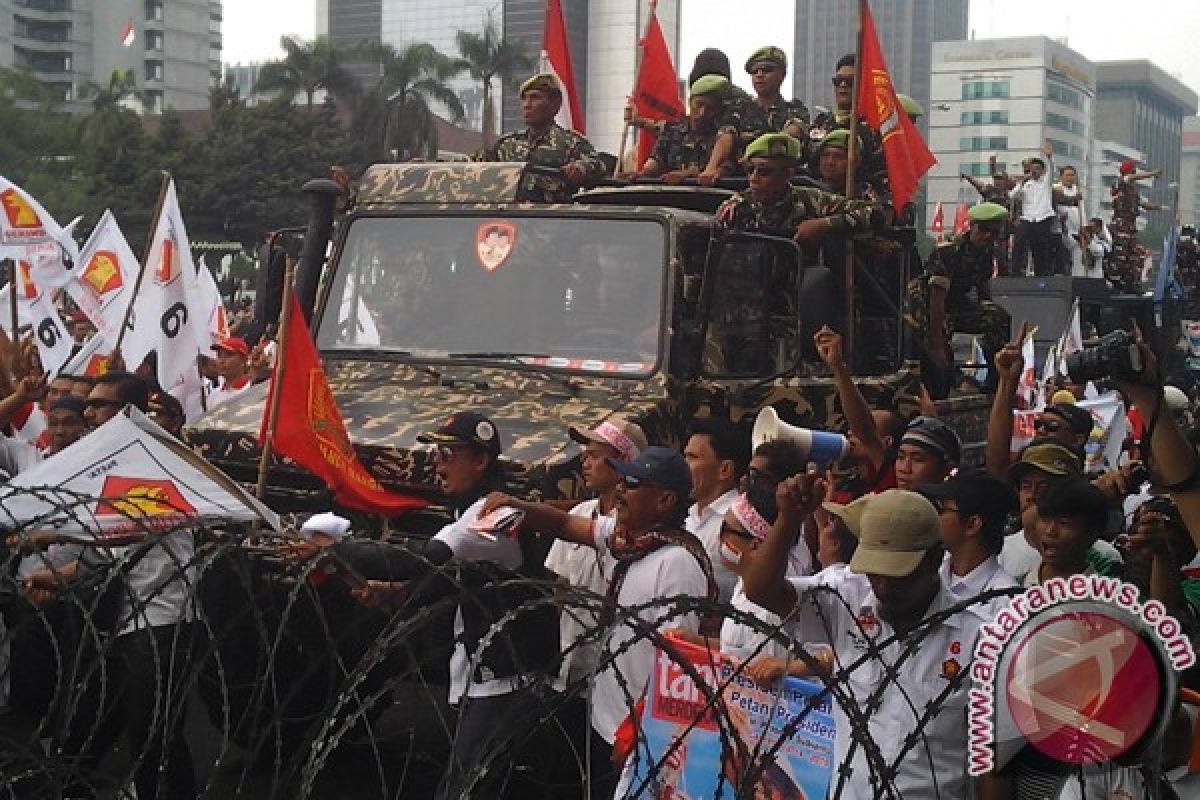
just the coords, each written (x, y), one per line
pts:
(173, 48)
(1142, 106)
(826, 30)
(603, 37)
(1005, 97)
(1189, 173)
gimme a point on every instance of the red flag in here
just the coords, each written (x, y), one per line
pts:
(556, 58)
(905, 152)
(938, 225)
(656, 95)
(310, 430)
(962, 222)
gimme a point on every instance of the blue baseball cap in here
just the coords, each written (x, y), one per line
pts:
(660, 466)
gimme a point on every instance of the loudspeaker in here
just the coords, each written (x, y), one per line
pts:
(820, 447)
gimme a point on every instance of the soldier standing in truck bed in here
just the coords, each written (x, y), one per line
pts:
(872, 164)
(546, 144)
(955, 295)
(768, 112)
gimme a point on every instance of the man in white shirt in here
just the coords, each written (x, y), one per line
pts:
(233, 370)
(497, 684)
(892, 588)
(717, 455)
(651, 561)
(1036, 193)
(1068, 208)
(973, 507)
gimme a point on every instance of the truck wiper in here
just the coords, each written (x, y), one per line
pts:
(561, 380)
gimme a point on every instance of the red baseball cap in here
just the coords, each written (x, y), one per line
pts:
(234, 344)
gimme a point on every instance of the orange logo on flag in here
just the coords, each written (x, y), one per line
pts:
(168, 266)
(885, 108)
(18, 210)
(102, 273)
(321, 410)
(25, 281)
(141, 497)
(96, 366)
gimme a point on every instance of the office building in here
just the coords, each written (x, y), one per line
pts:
(1189, 173)
(603, 36)
(1142, 106)
(1005, 97)
(173, 48)
(827, 29)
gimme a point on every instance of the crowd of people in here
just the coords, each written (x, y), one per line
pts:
(874, 574)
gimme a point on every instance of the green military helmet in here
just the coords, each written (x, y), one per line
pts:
(987, 212)
(910, 106)
(710, 85)
(771, 54)
(774, 145)
(542, 82)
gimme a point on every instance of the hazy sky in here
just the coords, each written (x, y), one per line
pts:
(1165, 31)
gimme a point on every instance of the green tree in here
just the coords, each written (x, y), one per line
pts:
(395, 113)
(307, 67)
(487, 56)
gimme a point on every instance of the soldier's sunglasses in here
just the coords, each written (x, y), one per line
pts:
(1049, 425)
(761, 169)
(843, 80)
(993, 228)
(765, 68)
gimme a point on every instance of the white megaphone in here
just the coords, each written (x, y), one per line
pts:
(819, 447)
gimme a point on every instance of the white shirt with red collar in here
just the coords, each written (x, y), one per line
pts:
(226, 391)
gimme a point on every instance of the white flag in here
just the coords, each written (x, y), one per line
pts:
(36, 309)
(104, 287)
(174, 296)
(128, 475)
(1031, 392)
(1071, 340)
(24, 223)
(211, 309)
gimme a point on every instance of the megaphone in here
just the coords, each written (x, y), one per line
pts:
(819, 447)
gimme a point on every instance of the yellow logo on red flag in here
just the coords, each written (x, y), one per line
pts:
(141, 497)
(168, 265)
(25, 281)
(18, 210)
(103, 273)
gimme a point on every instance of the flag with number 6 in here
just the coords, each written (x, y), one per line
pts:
(173, 290)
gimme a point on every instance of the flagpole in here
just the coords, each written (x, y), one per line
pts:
(621, 150)
(272, 410)
(137, 285)
(12, 296)
(848, 335)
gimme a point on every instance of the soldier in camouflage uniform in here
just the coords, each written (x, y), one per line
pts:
(769, 112)
(872, 164)
(1128, 253)
(685, 149)
(954, 295)
(546, 144)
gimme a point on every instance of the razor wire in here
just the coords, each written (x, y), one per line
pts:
(282, 685)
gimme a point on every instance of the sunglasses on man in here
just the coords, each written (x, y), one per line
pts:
(765, 170)
(843, 80)
(1047, 425)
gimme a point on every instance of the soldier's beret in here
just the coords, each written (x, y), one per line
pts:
(839, 138)
(987, 212)
(769, 53)
(544, 82)
(910, 106)
(774, 145)
(710, 84)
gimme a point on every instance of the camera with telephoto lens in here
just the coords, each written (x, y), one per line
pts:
(1113, 355)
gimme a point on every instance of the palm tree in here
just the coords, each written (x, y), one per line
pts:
(395, 114)
(105, 126)
(307, 67)
(486, 56)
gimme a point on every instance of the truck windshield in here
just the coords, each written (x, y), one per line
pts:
(566, 292)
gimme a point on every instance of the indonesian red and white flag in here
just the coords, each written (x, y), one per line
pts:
(175, 300)
(962, 218)
(656, 94)
(128, 34)
(103, 288)
(904, 150)
(938, 224)
(556, 59)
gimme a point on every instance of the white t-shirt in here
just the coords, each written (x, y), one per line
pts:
(582, 567)
(505, 552)
(742, 642)
(224, 392)
(1037, 200)
(17, 456)
(985, 577)
(1018, 557)
(706, 526)
(670, 571)
(161, 584)
(945, 650)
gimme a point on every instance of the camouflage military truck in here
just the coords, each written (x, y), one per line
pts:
(440, 292)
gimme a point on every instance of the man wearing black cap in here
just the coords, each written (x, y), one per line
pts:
(973, 508)
(1067, 424)
(929, 451)
(649, 558)
(496, 684)
(768, 112)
